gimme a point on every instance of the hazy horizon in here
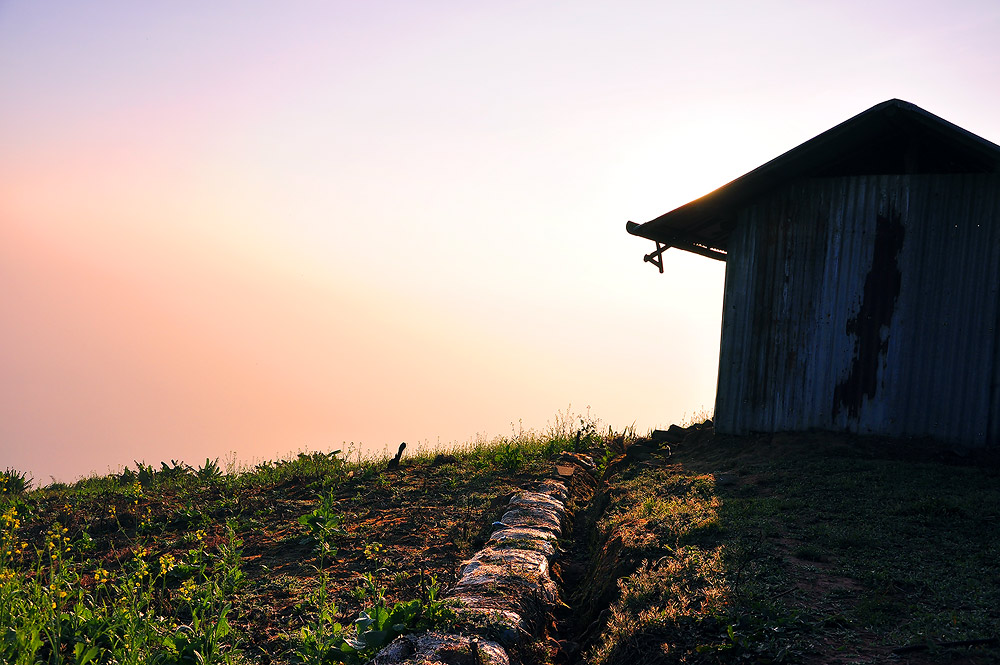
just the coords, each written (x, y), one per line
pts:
(263, 228)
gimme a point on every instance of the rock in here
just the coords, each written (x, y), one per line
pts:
(525, 538)
(565, 470)
(399, 650)
(535, 510)
(639, 452)
(673, 434)
(554, 488)
(585, 461)
(506, 626)
(439, 648)
(505, 592)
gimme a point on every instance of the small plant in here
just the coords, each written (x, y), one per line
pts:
(379, 625)
(606, 457)
(322, 642)
(758, 636)
(146, 475)
(509, 456)
(210, 472)
(230, 574)
(586, 435)
(14, 483)
(200, 641)
(323, 525)
(314, 465)
(175, 470)
(374, 552)
(376, 626)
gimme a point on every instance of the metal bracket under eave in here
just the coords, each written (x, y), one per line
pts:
(656, 258)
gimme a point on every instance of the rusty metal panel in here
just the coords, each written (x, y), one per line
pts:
(867, 304)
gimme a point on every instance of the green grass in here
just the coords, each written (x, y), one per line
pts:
(57, 604)
(318, 558)
(817, 549)
(786, 549)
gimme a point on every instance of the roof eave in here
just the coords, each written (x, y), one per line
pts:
(707, 221)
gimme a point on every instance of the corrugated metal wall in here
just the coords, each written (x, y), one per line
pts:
(868, 304)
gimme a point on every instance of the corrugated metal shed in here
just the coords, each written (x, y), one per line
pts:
(862, 282)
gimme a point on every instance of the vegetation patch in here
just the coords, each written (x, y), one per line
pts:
(323, 557)
(787, 549)
(798, 549)
(320, 558)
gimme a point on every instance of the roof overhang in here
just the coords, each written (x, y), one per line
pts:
(892, 137)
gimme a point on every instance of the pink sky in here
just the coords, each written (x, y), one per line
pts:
(260, 227)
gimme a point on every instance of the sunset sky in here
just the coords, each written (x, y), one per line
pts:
(264, 227)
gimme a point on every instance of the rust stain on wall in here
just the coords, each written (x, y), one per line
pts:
(878, 303)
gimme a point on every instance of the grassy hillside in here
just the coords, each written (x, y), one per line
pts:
(800, 548)
(174, 564)
(814, 549)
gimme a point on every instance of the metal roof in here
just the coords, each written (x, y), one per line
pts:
(894, 137)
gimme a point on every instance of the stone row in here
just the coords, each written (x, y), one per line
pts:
(505, 592)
